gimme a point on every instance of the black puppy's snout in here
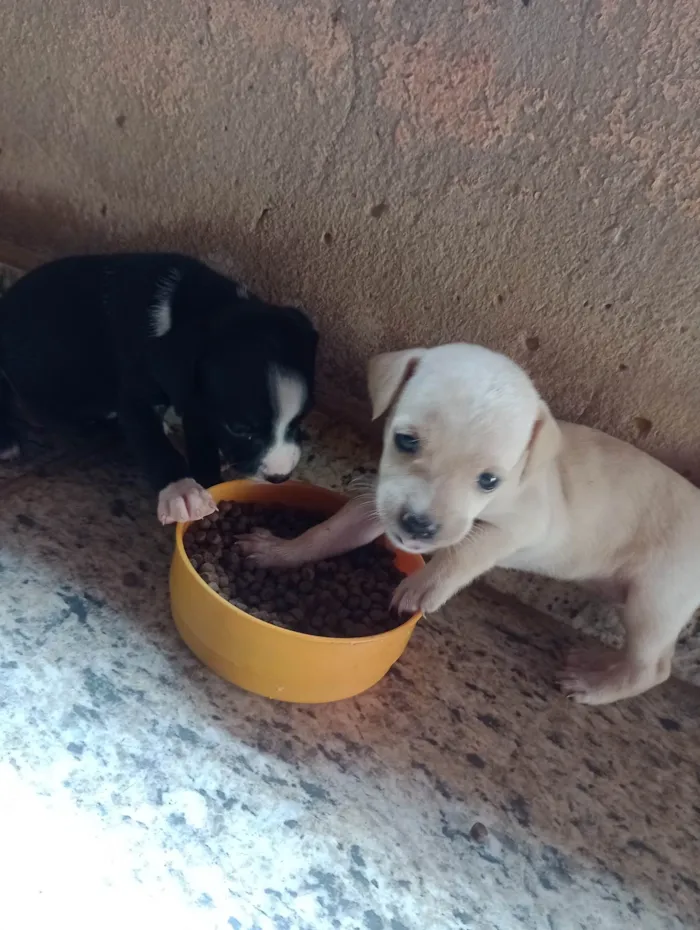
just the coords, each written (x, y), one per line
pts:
(276, 479)
(419, 525)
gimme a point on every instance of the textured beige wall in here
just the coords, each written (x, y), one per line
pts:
(523, 174)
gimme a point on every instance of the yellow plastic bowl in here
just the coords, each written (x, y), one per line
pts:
(263, 658)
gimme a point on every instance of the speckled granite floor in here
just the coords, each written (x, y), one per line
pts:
(138, 789)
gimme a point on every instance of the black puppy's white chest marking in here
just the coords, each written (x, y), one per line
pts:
(161, 309)
(172, 422)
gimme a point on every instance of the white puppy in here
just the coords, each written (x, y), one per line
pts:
(477, 472)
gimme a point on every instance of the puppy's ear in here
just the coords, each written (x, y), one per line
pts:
(386, 376)
(545, 441)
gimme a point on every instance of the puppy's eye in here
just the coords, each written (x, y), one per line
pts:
(487, 481)
(240, 432)
(405, 442)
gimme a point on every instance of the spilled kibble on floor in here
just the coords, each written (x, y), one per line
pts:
(347, 596)
(479, 833)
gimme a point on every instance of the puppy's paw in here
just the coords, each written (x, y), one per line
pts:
(184, 501)
(264, 549)
(10, 452)
(417, 593)
(603, 676)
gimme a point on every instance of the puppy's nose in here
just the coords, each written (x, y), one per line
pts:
(276, 479)
(419, 525)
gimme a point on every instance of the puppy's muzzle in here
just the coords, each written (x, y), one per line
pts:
(276, 479)
(418, 525)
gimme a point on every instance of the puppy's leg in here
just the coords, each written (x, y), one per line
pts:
(202, 450)
(180, 497)
(652, 626)
(10, 448)
(450, 570)
(355, 525)
(9, 437)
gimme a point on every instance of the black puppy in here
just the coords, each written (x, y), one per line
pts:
(91, 337)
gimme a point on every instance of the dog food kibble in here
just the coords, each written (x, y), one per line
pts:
(346, 596)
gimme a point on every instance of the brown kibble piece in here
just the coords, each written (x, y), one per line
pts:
(479, 833)
(232, 559)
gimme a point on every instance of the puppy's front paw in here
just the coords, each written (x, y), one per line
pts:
(184, 501)
(10, 451)
(263, 548)
(417, 593)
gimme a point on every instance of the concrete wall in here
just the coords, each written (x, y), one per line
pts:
(523, 173)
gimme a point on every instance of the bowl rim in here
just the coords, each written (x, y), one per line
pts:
(181, 528)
